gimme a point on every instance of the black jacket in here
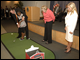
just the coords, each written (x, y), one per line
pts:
(57, 10)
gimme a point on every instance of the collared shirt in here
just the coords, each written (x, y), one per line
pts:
(48, 16)
(20, 17)
(56, 10)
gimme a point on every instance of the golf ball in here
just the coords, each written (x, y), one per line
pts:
(11, 33)
(13, 40)
(24, 36)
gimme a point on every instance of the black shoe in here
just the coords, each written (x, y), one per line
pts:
(27, 38)
(68, 51)
(47, 43)
(18, 36)
(65, 49)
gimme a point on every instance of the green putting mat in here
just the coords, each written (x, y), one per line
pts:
(17, 47)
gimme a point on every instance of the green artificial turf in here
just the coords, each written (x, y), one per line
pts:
(17, 47)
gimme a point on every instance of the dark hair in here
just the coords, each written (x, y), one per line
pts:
(13, 8)
(18, 12)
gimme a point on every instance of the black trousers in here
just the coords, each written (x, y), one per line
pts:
(48, 32)
(27, 32)
(20, 30)
(60, 17)
(7, 14)
(11, 15)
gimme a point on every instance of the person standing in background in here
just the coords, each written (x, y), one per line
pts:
(54, 7)
(70, 21)
(7, 12)
(10, 13)
(58, 13)
(49, 18)
(65, 11)
(24, 9)
(2, 13)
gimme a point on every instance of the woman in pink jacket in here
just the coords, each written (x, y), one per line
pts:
(49, 18)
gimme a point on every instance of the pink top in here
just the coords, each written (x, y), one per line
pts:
(48, 16)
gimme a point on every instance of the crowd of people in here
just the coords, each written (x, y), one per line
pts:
(58, 12)
(5, 13)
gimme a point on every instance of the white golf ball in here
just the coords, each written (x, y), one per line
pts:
(11, 33)
(13, 40)
(24, 36)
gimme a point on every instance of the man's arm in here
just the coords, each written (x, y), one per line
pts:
(13, 15)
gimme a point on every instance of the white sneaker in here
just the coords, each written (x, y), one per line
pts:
(24, 36)
(21, 39)
(28, 38)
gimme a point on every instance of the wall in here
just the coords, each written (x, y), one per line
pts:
(28, 3)
(37, 4)
(8, 3)
(56, 35)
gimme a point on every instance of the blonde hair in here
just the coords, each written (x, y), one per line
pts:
(73, 6)
(44, 7)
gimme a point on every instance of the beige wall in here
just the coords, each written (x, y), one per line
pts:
(56, 35)
(8, 3)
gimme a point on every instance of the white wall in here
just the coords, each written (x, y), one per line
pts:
(28, 3)
(37, 4)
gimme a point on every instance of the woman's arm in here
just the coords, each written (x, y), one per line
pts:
(52, 15)
(74, 22)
